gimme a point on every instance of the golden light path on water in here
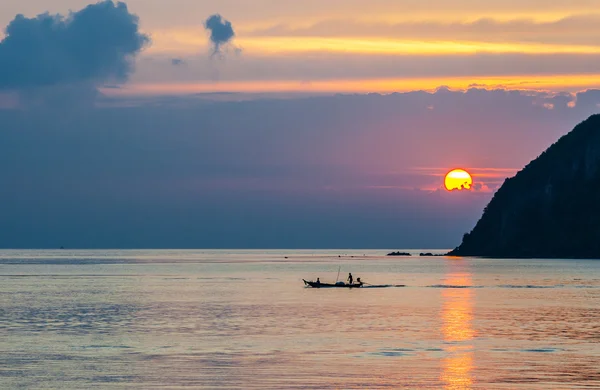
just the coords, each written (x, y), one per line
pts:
(457, 330)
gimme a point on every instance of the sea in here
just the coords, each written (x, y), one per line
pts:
(223, 319)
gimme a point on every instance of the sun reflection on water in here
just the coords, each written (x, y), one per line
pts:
(457, 318)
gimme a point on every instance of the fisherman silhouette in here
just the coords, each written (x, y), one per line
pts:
(350, 279)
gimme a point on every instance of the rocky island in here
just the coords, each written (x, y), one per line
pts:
(549, 209)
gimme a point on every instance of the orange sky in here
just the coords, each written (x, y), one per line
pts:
(362, 46)
(555, 83)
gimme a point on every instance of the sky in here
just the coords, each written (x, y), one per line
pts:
(278, 124)
(359, 45)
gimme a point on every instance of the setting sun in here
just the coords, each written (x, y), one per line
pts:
(458, 179)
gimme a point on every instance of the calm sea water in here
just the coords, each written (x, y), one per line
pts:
(244, 320)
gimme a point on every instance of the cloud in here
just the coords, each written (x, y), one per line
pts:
(187, 172)
(571, 30)
(91, 46)
(559, 73)
(221, 32)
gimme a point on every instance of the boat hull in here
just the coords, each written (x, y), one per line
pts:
(329, 285)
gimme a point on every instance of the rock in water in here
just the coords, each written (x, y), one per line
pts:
(549, 209)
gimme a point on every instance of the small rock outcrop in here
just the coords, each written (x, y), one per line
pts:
(399, 254)
(549, 209)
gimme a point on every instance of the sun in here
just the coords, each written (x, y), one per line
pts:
(458, 179)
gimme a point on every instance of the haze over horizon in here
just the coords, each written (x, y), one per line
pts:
(326, 125)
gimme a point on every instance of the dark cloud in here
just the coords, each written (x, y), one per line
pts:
(90, 46)
(221, 32)
(177, 61)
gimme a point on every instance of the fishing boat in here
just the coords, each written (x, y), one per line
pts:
(329, 285)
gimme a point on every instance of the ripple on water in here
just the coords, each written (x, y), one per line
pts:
(528, 350)
(527, 286)
(452, 286)
(542, 350)
(393, 352)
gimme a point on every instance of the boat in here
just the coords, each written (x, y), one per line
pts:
(329, 285)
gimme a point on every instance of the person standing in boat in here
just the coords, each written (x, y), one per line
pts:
(350, 279)
(318, 281)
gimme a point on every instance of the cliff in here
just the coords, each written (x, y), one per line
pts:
(549, 209)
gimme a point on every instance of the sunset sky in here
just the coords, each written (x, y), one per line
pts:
(319, 124)
(362, 46)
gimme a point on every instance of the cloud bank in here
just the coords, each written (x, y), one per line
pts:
(94, 45)
(581, 29)
(339, 171)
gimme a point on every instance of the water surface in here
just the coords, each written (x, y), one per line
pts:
(243, 319)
